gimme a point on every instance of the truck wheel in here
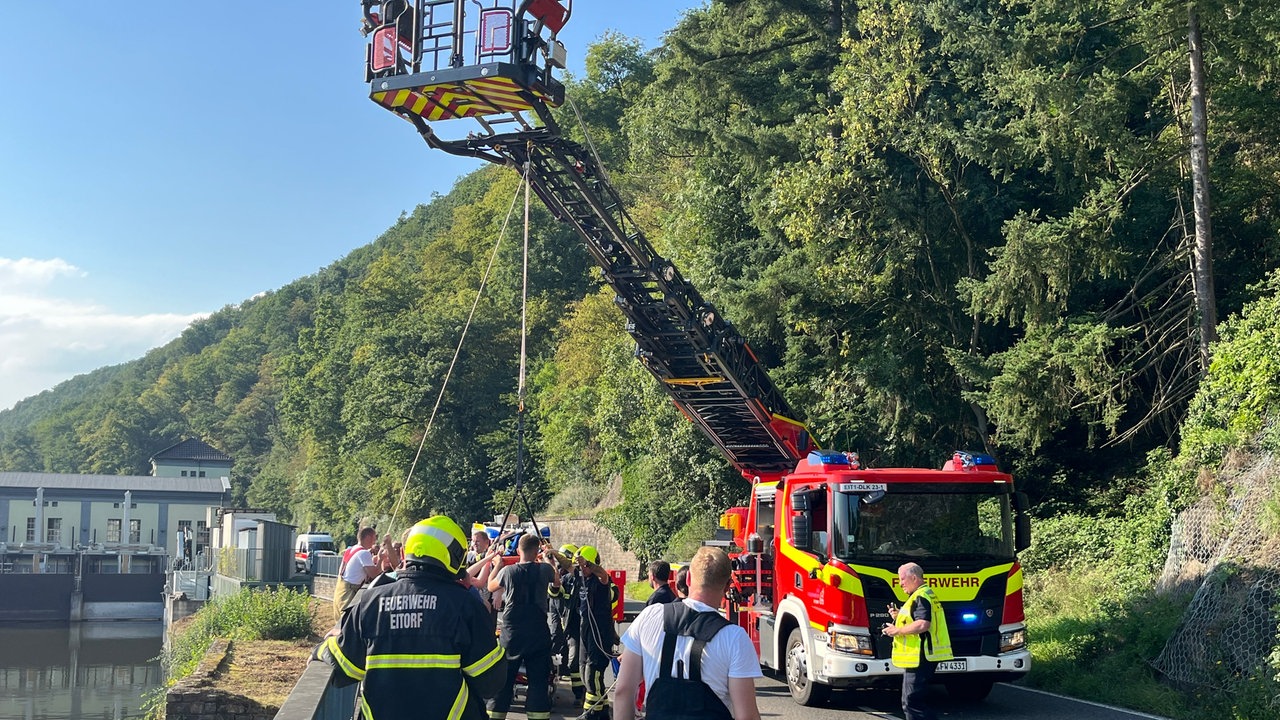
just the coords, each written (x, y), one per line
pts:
(969, 690)
(803, 690)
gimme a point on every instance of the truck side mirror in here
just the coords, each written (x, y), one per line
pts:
(801, 533)
(1022, 521)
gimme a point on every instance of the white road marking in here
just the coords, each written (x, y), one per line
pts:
(1134, 713)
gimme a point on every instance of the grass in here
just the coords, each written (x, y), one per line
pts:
(1094, 636)
(273, 632)
(638, 590)
(267, 670)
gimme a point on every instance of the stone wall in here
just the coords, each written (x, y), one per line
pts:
(585, 531)
(195, 698)
(322, 586)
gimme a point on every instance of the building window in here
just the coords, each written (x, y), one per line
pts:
(201, 473)
(55, 503)
(202, 535)
(53, 533)
(113, 530)
(184, 473)
(135, 532)
(31, 529)
(115, 505)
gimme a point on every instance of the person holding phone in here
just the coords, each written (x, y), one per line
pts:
(920, 640)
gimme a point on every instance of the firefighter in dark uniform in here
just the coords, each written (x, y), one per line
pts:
(564, 642)
(421, 644)
(592, 595)
(526, 587)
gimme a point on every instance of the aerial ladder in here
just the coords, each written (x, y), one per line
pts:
(821, 536)
(494, 63)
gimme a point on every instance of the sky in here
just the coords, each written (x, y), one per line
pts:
(160, 161)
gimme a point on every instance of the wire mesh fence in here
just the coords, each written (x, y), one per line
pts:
(1227, 548)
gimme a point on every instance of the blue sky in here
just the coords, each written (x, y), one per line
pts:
(161, 161)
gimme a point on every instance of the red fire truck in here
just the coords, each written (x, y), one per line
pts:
(817, 548)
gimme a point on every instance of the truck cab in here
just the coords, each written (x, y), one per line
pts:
(823, 545)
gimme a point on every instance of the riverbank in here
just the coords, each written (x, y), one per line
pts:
(239, 658)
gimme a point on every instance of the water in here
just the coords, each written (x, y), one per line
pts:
(78, 671)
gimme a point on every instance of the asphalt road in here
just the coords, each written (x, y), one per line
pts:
(1006, 702)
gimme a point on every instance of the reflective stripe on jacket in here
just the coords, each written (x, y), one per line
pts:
(422, 645)
(936, 640)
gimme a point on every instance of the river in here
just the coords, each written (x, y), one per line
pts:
(89, 671)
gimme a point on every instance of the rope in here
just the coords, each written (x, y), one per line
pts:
(456, 352)
(524, 355)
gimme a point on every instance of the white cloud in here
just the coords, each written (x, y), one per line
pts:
(49, 332)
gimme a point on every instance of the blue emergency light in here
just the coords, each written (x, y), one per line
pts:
(827, 457)
(969, 617)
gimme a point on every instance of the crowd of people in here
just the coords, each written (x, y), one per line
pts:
(447, 626)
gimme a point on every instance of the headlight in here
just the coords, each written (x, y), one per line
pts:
(850, 643)
(1013, 640)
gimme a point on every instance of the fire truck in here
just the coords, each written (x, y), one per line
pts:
(817, 547)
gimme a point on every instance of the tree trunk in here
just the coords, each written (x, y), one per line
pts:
(1202, 268)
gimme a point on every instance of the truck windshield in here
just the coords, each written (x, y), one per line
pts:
(939, 524)
(322, 546)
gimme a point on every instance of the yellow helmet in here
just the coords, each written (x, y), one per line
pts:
(436, 541)
(568, 550)
(589, 553)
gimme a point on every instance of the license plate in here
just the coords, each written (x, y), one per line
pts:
(953, 666)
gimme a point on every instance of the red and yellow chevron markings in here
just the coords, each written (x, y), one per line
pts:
(471, 98)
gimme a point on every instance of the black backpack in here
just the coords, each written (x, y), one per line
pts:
(685, 697)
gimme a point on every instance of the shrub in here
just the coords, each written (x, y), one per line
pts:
(266, 614)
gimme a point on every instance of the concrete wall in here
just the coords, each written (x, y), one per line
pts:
(35, 597)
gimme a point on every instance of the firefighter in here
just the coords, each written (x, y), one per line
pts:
(421, 636)
(592, 595)
(920, 640)
(562, 643)
(525, 636)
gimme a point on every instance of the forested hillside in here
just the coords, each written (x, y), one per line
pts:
(943, 224)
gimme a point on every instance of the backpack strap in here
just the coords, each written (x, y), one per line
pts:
(680, 619)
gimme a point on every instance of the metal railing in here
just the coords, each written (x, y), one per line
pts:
(326, 565)
(192, 583)
(240, 563)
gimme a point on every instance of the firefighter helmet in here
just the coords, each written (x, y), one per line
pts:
(569, 550)
(588, 553)
(436, 541)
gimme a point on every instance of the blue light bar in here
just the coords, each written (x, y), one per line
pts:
(969, 617)
(827, 457)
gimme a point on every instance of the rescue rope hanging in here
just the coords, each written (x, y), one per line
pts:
(488, 271)
(518, 490)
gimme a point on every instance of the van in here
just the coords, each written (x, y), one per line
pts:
(310, 546)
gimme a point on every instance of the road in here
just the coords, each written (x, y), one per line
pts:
(1006, 702)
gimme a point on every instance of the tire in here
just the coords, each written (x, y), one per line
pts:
(803, 690)
(969, 690)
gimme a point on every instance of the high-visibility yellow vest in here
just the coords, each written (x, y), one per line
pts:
(937, 641)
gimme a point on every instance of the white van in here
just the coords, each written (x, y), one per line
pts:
(310, 546)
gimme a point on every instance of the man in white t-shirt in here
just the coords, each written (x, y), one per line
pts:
(728, 661)
(357, 569)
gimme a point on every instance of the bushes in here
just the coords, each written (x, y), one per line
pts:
(247, 615)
